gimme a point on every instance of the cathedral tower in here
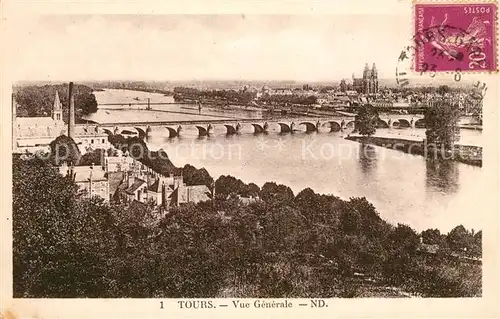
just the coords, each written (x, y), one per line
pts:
(374, 79)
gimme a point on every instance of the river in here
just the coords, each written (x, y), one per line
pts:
(404, 188)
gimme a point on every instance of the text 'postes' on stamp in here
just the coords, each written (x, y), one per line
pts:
(455, 36)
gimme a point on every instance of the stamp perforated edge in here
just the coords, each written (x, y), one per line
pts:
(496, 36)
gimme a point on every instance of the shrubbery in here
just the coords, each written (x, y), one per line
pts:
(283, 245)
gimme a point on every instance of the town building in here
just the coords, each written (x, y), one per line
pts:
(146, 186)
(119, 163)
(266, 90)
(36, 133)
(92, 179)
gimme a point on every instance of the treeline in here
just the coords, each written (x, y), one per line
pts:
(152, 87)
(290, 99)
(242, 97)
(281, 245)
(39, 100)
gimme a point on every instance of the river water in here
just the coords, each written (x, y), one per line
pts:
(404, 188)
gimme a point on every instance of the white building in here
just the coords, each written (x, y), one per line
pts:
(36, 133)
(91, 179)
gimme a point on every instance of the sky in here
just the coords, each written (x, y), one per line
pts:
(205, 47)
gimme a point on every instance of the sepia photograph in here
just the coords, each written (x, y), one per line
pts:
(252, 155)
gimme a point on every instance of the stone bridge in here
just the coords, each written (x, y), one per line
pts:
(233, 126)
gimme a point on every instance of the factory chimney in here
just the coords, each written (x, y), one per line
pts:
(14, 124)
(71, 101)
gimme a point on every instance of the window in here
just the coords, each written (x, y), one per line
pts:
(103, 141)
(92, 141)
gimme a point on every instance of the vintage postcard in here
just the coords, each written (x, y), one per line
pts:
(273, 159)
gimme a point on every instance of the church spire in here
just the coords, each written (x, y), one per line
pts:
(374, 70)
(366, 72)
(57, 109)
(57, 102)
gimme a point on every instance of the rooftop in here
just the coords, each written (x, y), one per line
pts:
(132, 188)
(82, 174)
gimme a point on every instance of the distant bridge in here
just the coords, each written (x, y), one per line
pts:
(233, 126)
(141, 103)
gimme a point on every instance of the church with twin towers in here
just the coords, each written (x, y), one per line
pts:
(368, 84)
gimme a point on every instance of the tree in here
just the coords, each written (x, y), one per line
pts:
(405, 238)
(94, 157)
(431, 237)
(366, 119)
(460, 239)
(274, 193)
(226, 185)
(253, 190)
(64, 150)
(194, 176)
(35, 100)
(59, 240)
(443, 89)
(441, 121)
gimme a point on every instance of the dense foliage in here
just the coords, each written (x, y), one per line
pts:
(283, 245)
(243, 97)
(63, 150)
(366, 120)
(442, 124)
(39, 100)
(290, 99)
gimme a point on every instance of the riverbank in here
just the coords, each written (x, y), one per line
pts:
(467, 154)
(158, 91)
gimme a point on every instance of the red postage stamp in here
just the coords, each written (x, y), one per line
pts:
(455, 37)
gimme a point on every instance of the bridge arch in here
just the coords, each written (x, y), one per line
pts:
(260, 128)
(202, 131)
(379, 123)
(230, 129)
(174, 132)
(403, 123)
(420, 123)
(142, 134)
(310, 127)
(350, 125)
(335, 126)
(285, 128)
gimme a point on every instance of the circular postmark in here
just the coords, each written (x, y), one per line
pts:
(424, 54)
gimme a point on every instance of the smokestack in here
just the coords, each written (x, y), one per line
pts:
(71, 101)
